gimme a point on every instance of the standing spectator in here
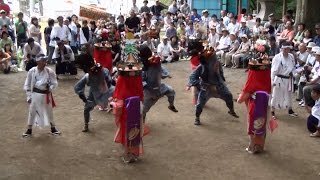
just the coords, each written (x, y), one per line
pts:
(205, 18)
(34, 30)
(60, 32)
(274, 48)
(226, 19)
(121, 26)
(5, 7)
(86, 30)
(185, 8)
(4, 20)
(173, 8)
(271, 25)
(299, 36)
(21, 30)
(132, 23)
(47, 32)
(156, 10)
(171, 31)
(135, 7)
(316, 39)
(145, 8)
(195, 16)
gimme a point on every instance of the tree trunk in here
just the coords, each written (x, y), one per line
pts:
(284, 7)
(306, 13)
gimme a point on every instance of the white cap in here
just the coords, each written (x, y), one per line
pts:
(232, 33)
(244, 36)
(315, 48)
(311, 45)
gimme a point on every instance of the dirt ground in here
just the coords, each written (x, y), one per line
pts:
(175, 149)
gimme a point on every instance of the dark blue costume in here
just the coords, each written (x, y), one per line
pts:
(208, 78)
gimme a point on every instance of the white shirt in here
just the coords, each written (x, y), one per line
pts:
(226, 20)
(206, 20)
(36, 50)
(257, 30)
(282, 66)
(311, 59)
(315, 111)
(34, 29)
(61, 32)
(224, 42)
(233, 27)
(303, 56)
(164, 50)
(213, 39)
(65, 57)
(316, 72)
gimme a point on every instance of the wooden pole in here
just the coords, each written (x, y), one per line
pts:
(239, 6)
(284, 8)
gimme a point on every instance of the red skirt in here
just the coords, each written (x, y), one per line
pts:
(104, 58)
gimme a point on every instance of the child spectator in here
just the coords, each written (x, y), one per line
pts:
(8, 50)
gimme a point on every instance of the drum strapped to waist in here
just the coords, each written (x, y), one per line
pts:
(36, 90)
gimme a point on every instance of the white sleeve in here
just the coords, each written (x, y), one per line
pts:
(69, 38)
(25, 51)
(55, 53)
(53, 80)
(83, 39)
(27, 84)
(274, 67)
(53, 33)
(71, 54)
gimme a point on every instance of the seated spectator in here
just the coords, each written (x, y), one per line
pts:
(224, 43)
(299, 36)
(185, 8)
(313, 121)
(301, 58)
(146, 19)
(4, 62)
(143, 33)
(244, 29)
(30, 51)
(167, 20)
(156, 10)
(190, 30)
(288, 34)
(150, 44)
(315, 74)
(226, 60)
(171, 31)
(282, 26)
(220, 27)
(164, 50)
(173, 8)
(205, 18)
(195, 16)
(310, 59)
(5, 40)
(144, 8)
(214, 22)
(316, 39)
(307, 37)
(242, 51)
(258, 28)
(233, 26)
(213, 38)
(8, 49)
(4, 20)
(274, 48)
(175, 48)
(271, 25)
(181, 31)
(184, 47)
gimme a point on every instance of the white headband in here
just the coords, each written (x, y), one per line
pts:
(283, 47)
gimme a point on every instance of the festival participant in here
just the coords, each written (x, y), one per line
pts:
(99, 81)
(283, 65)
(153, 89)
(85, 59)
(39, 84)
(103, 55)
(209, 79)
(30, 51)
(255, 94)
(127, 97)
(64, 57)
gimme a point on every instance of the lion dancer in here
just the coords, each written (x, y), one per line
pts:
(255, 94)
(127, 97)
(209, 80)
(101, 89)
(153, 88)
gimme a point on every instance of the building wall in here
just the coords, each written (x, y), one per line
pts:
(215, 6)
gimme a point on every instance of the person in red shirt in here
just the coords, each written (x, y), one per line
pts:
(4, 6)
